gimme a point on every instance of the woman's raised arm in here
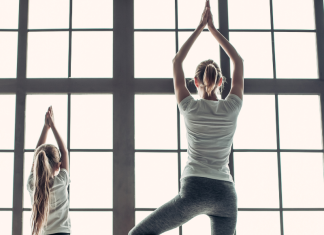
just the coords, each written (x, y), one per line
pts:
(59, 140)
(179, 82)
(237, 81)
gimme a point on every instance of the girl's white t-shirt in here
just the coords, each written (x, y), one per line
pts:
(210, 129)
(58, 219)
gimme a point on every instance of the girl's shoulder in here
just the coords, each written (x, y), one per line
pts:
(63, 177)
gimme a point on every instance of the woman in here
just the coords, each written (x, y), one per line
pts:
(206, 184)
(48, 182)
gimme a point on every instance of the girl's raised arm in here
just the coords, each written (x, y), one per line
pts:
(237, 87)
(59, 140)
(43, 136)
(179, 82)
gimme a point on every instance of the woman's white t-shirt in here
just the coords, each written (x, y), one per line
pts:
(210, 129)
(58, 219)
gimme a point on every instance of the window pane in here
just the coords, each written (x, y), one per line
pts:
(26, 222)
(146, 18)
(189, 15)
(293, 14)
(156, 129)
(256, 50)
(7, 121)
(153, 187)
(6, 222)
(92, 54)
(260, 222)
(204, 48)
(9, 15)
(293, 59)
(151, 59)
(140, 215)
(47, 54)
(91, 129)
(296, 129)
(91, 222)
(184, 159)
(50, 14)
(98, 173)
(82, 222)
(303, 222)
(6, 180)
(198, 225)
(99, 14)
(256, 124)
(36, 108)
(243, 14)
(8, 54)
(27, 169)
(302, 180)
(256, 180)
(183, 134)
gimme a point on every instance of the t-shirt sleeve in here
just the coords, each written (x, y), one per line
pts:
(64, 176)
(234, 103)
(185, 105)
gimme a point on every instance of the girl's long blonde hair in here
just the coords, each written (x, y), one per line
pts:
(46, 158)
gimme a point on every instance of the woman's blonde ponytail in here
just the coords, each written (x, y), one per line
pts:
(209, 78)
(42, 175)
(209, 74)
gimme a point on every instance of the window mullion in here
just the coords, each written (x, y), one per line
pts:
(225, 62)
(319, 22)
(20, 121)
(123, 117)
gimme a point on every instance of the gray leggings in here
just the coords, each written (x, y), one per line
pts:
(198, 195)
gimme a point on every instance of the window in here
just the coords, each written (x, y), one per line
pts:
(9, 14)
(151, 59)
(91, 54)
(8, 54)
(265, 222)
(7, 127)
(48, 14)
(275, 176)
(106, 68)
(91, 154)
(47, 55)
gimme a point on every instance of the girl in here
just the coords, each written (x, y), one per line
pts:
(48, 182)
(206, 184)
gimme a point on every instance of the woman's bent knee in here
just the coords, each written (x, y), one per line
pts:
(131, 232)
(134, 231)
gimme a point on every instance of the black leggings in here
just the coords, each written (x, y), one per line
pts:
(198, 195)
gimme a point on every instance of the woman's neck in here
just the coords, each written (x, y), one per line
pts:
(211, 97)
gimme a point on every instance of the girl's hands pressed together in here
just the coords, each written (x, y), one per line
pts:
(50, 117)
(46, 124)
(204, 16)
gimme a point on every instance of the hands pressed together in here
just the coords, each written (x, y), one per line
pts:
(207, 17)
(49, 118)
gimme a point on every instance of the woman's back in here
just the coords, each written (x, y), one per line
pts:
(58, 218)
(210, 129)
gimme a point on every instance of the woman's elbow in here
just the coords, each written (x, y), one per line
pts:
(240, 59)
(239, 62)
(174, 60)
